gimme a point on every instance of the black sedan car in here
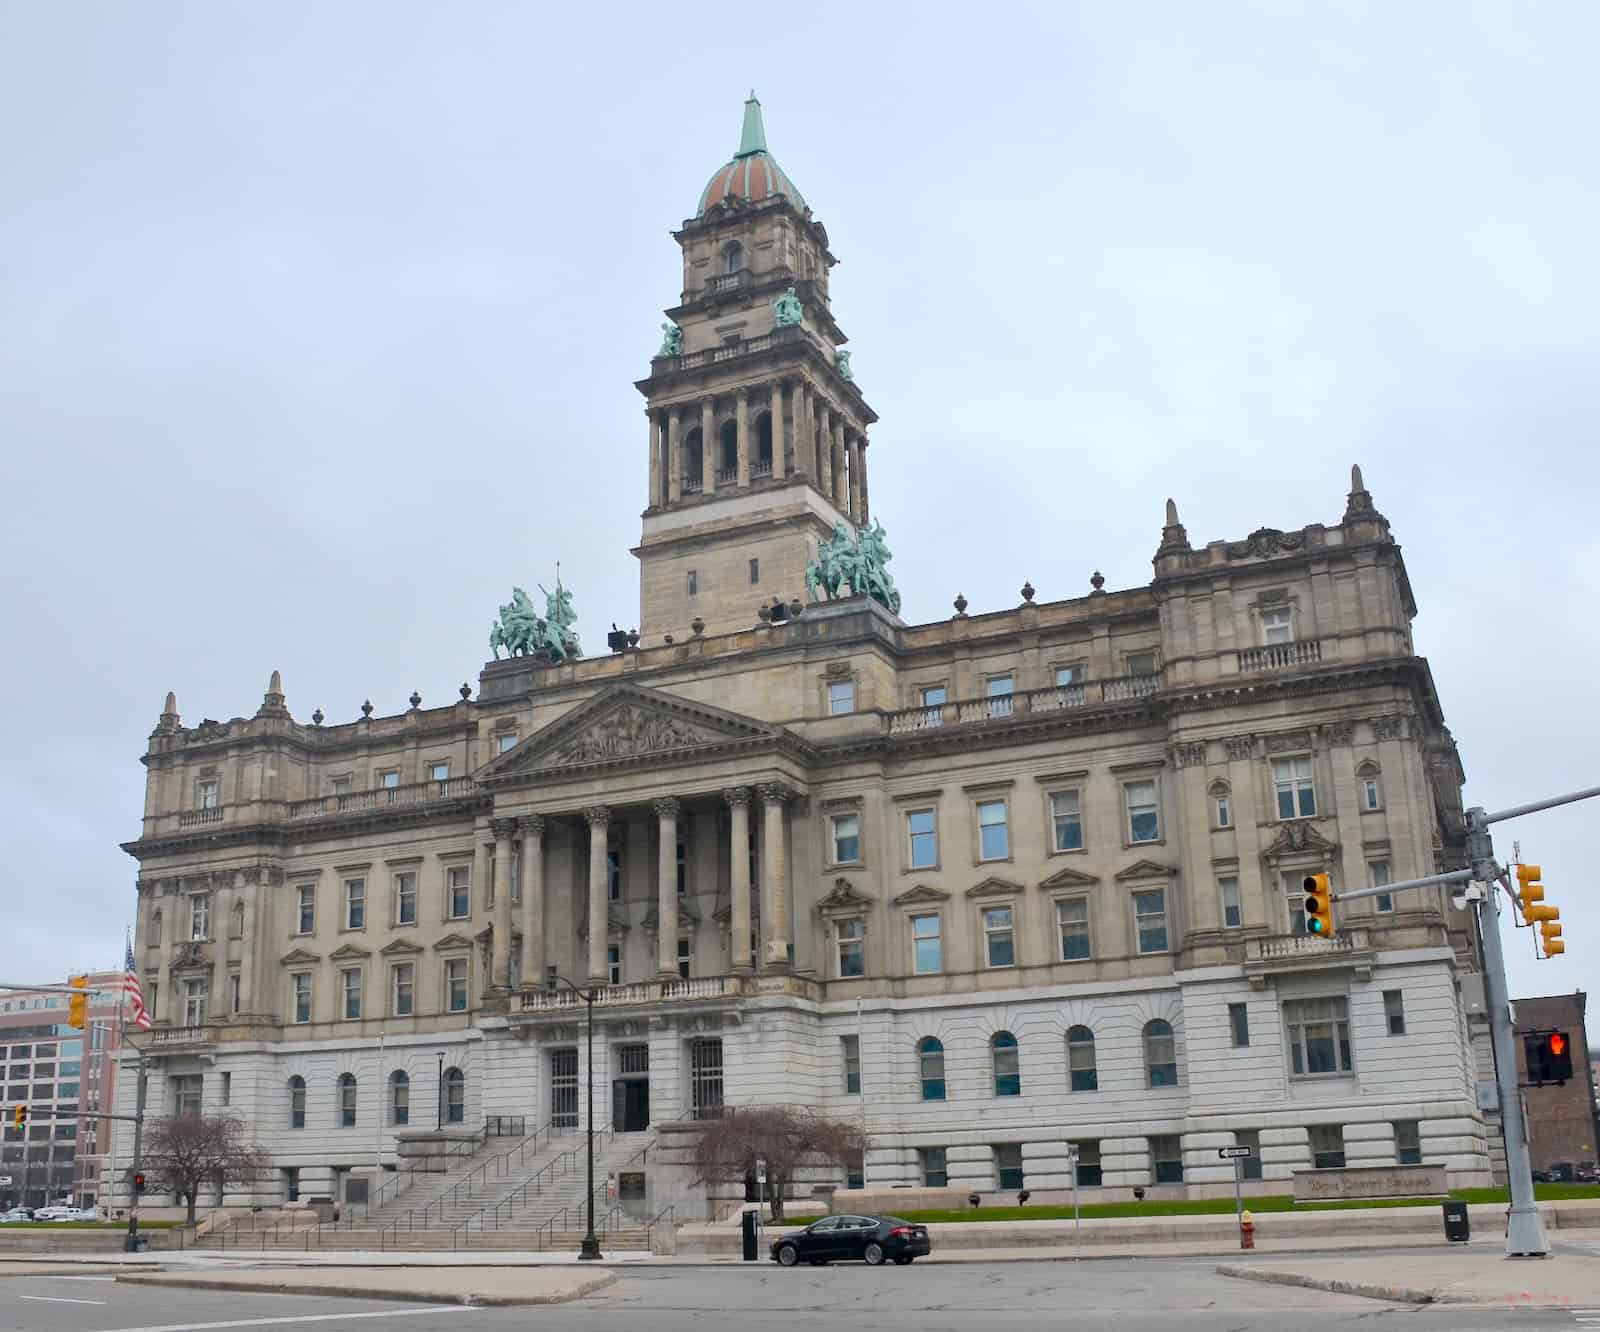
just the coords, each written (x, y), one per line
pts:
(869, 1239)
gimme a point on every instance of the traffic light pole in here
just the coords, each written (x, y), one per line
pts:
(131, 1244)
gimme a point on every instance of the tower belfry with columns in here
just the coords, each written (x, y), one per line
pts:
(757, 432)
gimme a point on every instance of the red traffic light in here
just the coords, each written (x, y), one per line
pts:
(138, 1182)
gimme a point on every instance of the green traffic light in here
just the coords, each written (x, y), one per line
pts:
(1313, 926)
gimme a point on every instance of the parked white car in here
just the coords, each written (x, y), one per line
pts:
(55, 1213)
(81, 1214)
(15, 1214)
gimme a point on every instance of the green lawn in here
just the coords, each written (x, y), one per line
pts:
(1278, 1202)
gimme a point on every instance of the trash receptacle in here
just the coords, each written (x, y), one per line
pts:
(1455, 1222)
(748, 1224)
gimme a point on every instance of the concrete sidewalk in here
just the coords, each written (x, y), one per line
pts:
(428, 1285)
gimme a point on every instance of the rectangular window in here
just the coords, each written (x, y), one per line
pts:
(755, 572)
(1222, 804)
(1276, 626)
(1371, 795)
(994, 839)
(1072, 918)
(1141, 663)
(846, 838)
(340, 785)
(613, 964)
(841, 697)
(1297, 796)
(922, 828)
(933, 701)
(692, 583)
(186, 1094)
(685, 959)
(307, 921)
(405, 898)
(999, 940)
(1068, 676)
(195, 995)
(1150, 920)
(1008, 1165)
(458, 891)
(455, 985)
(927, 949)
(1327, 1146)
(205, 794)
(1294, 893)
(1394, 1013)
(1250, 1166)
(1378, 871)
(999, 689)
(355, 904)
(301, 983)
(934, 1173)
(1319, 1037)
(852, 948)
(614, 875)
(350, 983)
(389, 780)
(438, 772)
(1232, 912)
(504, 741)
(1407, 1142)
(1144, 819)
(1088, 1163)
(1239, 1023)
(200, 916)
(850, 1049)
(1166, 1159)
(233, 992)
(404, 987)
(1066, 821)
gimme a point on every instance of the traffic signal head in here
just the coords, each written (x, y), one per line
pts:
(19, 1117)
(1319, 905)
(78, 1004)
(138, 1181)
(1550, 937)
(1529, 889)
(1549, 1056)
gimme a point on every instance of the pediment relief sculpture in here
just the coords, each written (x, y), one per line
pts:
(1299, 835)
(628, 731)
(844, 896)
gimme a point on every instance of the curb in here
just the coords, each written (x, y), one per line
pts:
(587, 1286)
(1391, 1294)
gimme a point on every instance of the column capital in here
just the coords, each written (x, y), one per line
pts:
(504, 829)
(666, 807)
(742, 393)
(775, 793)
(599, 816)
(736, 795)
(532, 825)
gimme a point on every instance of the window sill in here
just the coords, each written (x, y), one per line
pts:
(1378, 810)
(1068, 851)
(995, 860)
(833, 865)
(934, 868)
(404, 925)
(1129, 845)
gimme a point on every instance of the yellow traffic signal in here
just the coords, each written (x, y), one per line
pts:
(1529, 890)
(78, 1004)
(1319, 905)
(1550, 936)
(19, 1117)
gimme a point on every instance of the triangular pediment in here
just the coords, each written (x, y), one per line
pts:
(921, 893)
(296, 956)
(994, 887)
(344, 952)
(1145, 869)
(399, 948)
(627, 723)
(452, 941)
(844, 896)
(1067, 877)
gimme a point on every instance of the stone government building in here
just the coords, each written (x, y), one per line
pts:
(1053, 852)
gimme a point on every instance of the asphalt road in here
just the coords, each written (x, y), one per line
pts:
(1141, 1295)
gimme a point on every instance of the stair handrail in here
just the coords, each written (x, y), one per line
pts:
(669, 1214)
(493, 1209)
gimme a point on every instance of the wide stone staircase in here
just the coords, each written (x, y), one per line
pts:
(518, 1196)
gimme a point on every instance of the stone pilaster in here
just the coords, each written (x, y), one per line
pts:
(855, 478)
(775, 866)
(825, 449)
(599, 818)
(864, 508)
(532, 828)
(708, 450)
(741, 418)
(780, 436)
(667, 887)
(738, 798)
(504, 830)
(652, 434)
(674, 456)
(841, 479)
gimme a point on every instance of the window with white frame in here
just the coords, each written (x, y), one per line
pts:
(999, 937)
(1378, 873)
(1221, 806)
(505, 740)
(930, 1068)
(200, 916)
(300, 988)
(1232, 910)
(841, 697)
(1150, 920)
(1144, 817)
(1160, 1053)
(1072, 922)
(1066, 820)
(1327, 1146)
(1277, 625)
(1407, 1142)
(935, 1172)
(927, 946)
(1005, 1060)
(685, 958)
(933, 699)
(455, 985)
(306, 913)
(405, 898)
(845, 838)
(994, 837)
(614, 964)
(187, 1093)
(355, 904)
(439, 772)
(195, 995)
(1371, 788)
(206, 793)
(389, 780)
(1070, 676)
(998, 689)
(922, 836)
(403, 988)
(458, 891)
(1082, 1072)
(1239, 1023)
(851, 936)
(347, 1100)
(1297, 794)
(1319, 1037)
(1294, 895)
(350, 987)
(1166, 1159)
(850, 1051)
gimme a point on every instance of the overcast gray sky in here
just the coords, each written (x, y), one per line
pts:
(318, 324)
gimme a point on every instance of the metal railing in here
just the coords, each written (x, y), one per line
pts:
(667, 1216)
(490, 1215)
(1004, 707)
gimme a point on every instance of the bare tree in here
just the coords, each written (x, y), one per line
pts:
(183, 1152)
(785, 1137)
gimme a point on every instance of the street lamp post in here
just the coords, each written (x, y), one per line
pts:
(439, 1124)
(589, 1250)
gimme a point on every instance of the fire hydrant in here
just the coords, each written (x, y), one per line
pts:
(1247, 1231)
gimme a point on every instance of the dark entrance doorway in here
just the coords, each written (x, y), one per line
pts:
(630, 1090)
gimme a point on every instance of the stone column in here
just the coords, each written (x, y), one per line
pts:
(802, 428)
(741, 417)
(500, 971)
(836, 451)
(653, 433)
(708, 452)
(674, 456)
(667, 888)
(532, 829)
(855, 478)
(775, 866)
(738, 798)
(250, 894)
(599, 818)
(864, 508)
(825, 449)
(780, 438)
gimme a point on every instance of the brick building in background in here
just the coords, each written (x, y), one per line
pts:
(64, 1076)
(1563, 1122)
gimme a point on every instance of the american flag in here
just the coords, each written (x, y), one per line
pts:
(135, 994)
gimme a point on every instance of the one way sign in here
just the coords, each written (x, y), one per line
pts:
(1231, 1153)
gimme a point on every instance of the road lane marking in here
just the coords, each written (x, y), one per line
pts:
(59, 1299)
(305, 1318)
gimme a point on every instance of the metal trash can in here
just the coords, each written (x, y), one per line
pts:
(747, 1223)
(1456, 1227)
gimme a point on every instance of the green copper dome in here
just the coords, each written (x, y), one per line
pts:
(753, 174)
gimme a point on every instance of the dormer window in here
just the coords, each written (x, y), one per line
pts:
(732, 257)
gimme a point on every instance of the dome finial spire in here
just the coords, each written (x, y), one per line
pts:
(753, 137)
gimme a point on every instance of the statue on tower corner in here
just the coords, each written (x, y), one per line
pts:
(787, 310)
(523, 632)
(671, 341)
(861, 562)
(841, 361)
